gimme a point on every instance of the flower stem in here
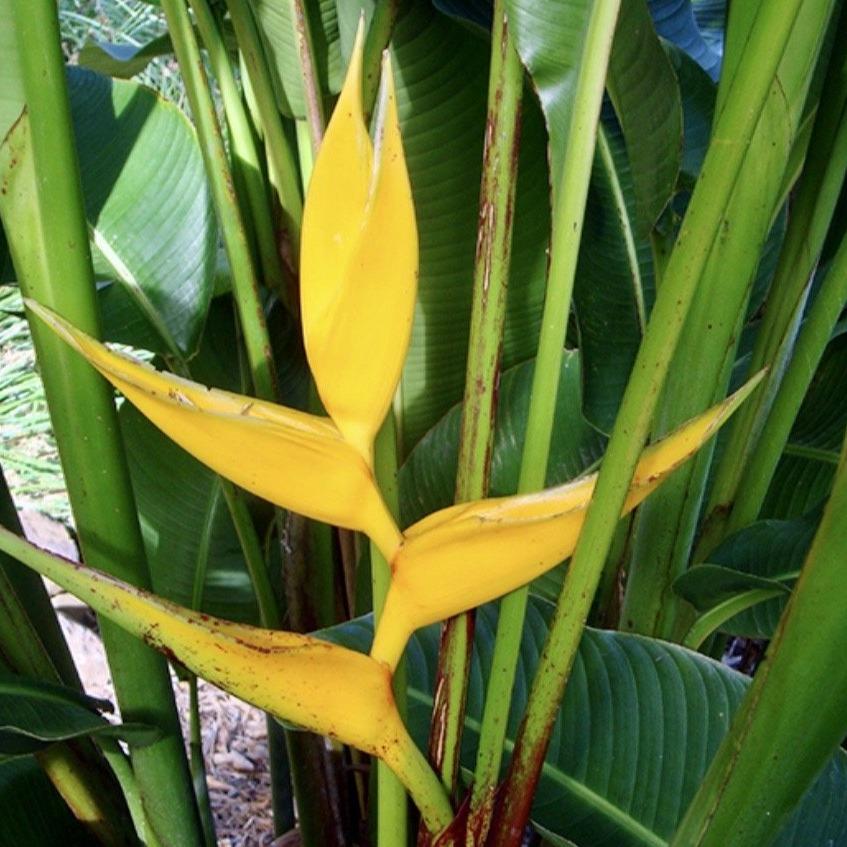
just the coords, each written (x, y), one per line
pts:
(491, 275)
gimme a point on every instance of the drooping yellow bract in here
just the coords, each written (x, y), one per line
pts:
(466, 555)
(319, 686)
(295, 460)
(359, 261)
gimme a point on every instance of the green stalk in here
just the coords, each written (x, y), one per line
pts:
(666, 524)
(122, 769)
(814, 336)
(379, 34)
(198, 767)
(488, 313)
(44, 220)
(305, 154)
(567, 229)
(392, 823)
(700, 227)
(312, 95)
(195, 743)
(740, 802)
(243, 147)
(282, 163)
(811, 214)
(245, 283)
(269, 613)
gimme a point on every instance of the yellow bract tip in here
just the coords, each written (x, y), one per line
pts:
(359, 261)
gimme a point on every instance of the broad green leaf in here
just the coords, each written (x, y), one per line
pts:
(550, 39)
(819, 429)
(441, 70)
(428, 477)
(468, 554)
(148, 208)
(640, 721)
(122, 60)
(773, 550)
(699, 93)
(296, 460)
(35, 714)
(646, 96)
(276, 22)
(613, 290)
(359, 261)
(720, 594)
(798, 485)
(706, 586)
(474, 11)
(33, 812)
(675, 20)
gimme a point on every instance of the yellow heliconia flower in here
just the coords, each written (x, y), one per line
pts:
(359, 261)
(471, 553)
(295, 460)
(319, 686)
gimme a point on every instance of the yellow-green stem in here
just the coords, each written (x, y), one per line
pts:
(245, 283)
(312, 94)
(379, 33)
(811, 213)
(392, 821)
(281, 159)
(811, 343)
(245, 154)
(44, 219)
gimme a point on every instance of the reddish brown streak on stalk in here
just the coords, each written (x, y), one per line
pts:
(512, 810)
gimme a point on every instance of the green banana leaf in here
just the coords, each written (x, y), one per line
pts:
(122, 60)
(428, 477)
(678, 22)
(149, 213)
(639, 724)
(35, 714)
(819, 429)
(766, 552)
(276, 23)
(646, 96)
(32, 811)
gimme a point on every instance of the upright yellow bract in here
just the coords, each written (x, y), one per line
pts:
(359, 262)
